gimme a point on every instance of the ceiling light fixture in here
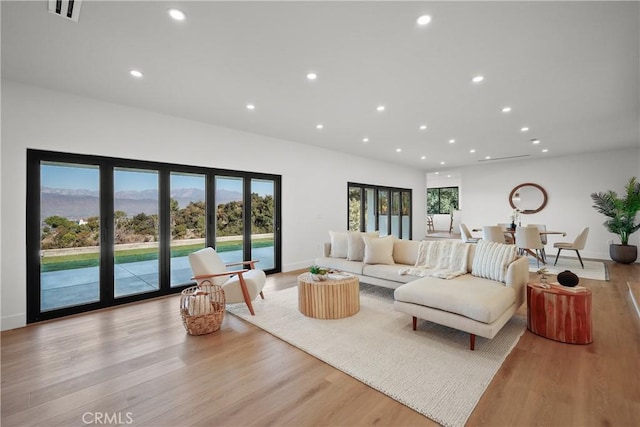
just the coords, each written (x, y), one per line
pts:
(442, 163)
(312, 76)
(477, 79)
(398, 150)
(506, 109)
(437, 173)
(423, 157)
(136, 73)
(545, 150)
(487, 157)
(320, 126)
(423, 127)
(424, 20)
(451, 141)
(524, 129)
(472, 151)
(380, 108)
(535, 141)
(365, 139)
(251, 107)
(176, 14)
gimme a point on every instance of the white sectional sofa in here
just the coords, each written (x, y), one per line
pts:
(479, 302)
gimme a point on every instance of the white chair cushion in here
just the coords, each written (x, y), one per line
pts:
(255, 280)
(207, 261)
(378, 250)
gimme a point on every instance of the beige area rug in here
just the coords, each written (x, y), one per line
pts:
(592, 269)
(430, 370)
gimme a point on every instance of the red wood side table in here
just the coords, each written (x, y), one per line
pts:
(558, 314)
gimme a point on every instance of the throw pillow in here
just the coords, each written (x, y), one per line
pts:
(378, 250)
(492, 259)
(355, 244)
(339, 244)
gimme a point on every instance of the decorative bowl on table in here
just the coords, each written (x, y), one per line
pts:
(568, 279)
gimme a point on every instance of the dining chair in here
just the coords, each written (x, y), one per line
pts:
(528, 240)
(508, 236)
(577, 245)
(493, 233)
(238, 285)
(543, 237)
(430, 226)
(466, 236)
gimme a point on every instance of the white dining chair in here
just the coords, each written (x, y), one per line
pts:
(543, 237)
(577, 245)
(493, 233)
(466, 236)
(528, 240)
(508, 236)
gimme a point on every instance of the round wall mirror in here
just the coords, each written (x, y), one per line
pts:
(528, 198)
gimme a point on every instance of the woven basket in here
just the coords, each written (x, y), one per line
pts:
(202, 309)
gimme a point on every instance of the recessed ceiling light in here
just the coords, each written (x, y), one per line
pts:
(487, 157)
(472, 151)
(398, 150)
(535, 141)
(423, 157)
(506, 109)
(251, 107)
(451, 141)
(437, 173)
(477, 79)
(524, 129)
(319, 126)
(448, 176)
(423, 127)
(424, 20)
(176, 14)
(442, 163)
(365, 139)
(312, 76)
(380, 108)
(136, 73)
(544, 150)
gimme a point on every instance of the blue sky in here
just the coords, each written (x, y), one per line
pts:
(87, 178)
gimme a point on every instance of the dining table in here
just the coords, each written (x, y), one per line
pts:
(511, 232)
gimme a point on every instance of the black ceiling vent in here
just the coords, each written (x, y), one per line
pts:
(69, 9)
(503, 158)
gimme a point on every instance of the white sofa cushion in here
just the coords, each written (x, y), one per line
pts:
(339, 244)
(386, 272)
(492, 259)
(378, 250)
(473, 297)
(405, 251)
(355, 244)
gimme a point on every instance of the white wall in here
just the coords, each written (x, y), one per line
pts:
(42, 119)
(569, 182)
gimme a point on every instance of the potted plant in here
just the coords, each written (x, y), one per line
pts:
(318, 273)
(621, 214)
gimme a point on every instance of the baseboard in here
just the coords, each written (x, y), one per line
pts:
(13, 322)
(297, 266)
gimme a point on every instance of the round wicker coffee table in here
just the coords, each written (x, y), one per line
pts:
(333, 298)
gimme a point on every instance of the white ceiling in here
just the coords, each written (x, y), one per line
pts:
(569, 70)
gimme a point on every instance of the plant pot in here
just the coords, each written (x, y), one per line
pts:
(319, 277)
(624, 254)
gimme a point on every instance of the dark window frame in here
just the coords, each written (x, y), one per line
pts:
(438, 190)
(107, 165)
(390, 191)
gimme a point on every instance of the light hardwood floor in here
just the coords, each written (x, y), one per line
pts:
(136, 364)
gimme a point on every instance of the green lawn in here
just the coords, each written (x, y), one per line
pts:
(68, 262)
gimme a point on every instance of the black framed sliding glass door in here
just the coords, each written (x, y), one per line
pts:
(106, 231)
